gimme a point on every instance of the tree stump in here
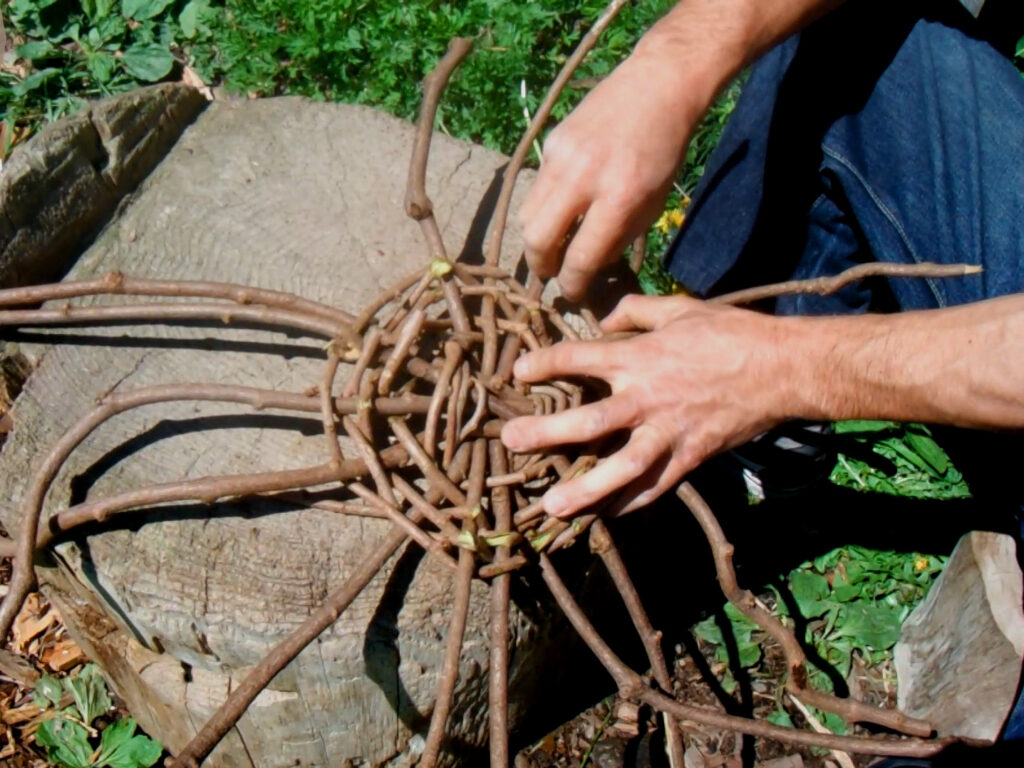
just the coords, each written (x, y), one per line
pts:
(177, 603)
(959, 654)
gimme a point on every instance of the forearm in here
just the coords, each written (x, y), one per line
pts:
(705, 43)
(962, 366)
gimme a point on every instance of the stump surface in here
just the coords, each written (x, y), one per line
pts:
(178, 603)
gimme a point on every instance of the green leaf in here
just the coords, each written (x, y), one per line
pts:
(143, 9)
(90, 693)
(36, 49)
(120, 748)
(102, 66)
(780, 717)
(864, 425)
(148, 62)
(48, 691)
(928, 450)
(809, 590)
(66, 742)
(189, 19)
(870, 623)
(33, 81)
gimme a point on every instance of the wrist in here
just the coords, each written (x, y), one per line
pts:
(699, 47)
(814, 368)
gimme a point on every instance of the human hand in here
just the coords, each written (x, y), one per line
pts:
(610, 162)
(701, 379)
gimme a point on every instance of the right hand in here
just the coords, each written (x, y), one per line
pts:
(611, 162)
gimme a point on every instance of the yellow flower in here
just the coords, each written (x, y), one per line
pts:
(672, 219)
(920, 564)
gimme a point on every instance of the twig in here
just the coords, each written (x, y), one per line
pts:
(497, 696)
(843, 758)
(603, 544)
(116, 283)
(826, 285)
(164, 313)
(631, 686)
(337, 602)
(515, 164)
(417, 203)
(849, 709)
(460, 609)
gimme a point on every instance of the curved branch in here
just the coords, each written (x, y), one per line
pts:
(849, 709)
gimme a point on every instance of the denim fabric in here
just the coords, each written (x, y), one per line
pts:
(886, 131)
(912, 151)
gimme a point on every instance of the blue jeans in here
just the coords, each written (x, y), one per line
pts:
(887, 132)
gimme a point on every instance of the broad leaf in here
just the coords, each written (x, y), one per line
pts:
(102, 66)
(121, 748)
(143, 9)
(148, 62)
(37, 49)
(33, 81)
(809, 590)
(872, 624)
(90, 692)
(66, 742)
(48, 691)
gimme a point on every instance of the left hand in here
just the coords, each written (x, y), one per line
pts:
(700, 380)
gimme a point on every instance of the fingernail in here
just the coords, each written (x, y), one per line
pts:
(522, 368)
(555, 504)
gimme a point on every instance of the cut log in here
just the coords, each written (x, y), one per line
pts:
(959, 654)
(177, 604)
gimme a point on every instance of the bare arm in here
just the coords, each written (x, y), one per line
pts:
(706, 378)
(612, 161)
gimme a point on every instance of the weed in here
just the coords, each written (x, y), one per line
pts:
(68, 736)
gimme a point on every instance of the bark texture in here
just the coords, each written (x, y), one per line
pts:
(959, 654)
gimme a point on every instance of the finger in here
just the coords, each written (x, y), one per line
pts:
(635, 312)
(655, 482)
(600, 239)
(576, 425)
(646, 313)
(568, 358)
(546, 217)
(644, 448)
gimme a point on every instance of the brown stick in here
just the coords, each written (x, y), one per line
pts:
(116, 283)
(417, 204)
(23, 576)
(826, 285)
(602, 543)
(631, 685)
(849, 709)
(337, 602)
(460, 610)
(515, 164)
(497, 691)
(163, 313)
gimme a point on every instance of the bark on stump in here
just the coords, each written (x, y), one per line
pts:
(178, 603)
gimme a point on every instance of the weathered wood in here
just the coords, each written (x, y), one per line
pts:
(62, 185)
(959, 654)
(177, 604)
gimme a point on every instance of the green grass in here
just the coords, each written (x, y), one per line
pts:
(364, 52)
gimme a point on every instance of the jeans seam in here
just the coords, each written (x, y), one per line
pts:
(888, 214)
